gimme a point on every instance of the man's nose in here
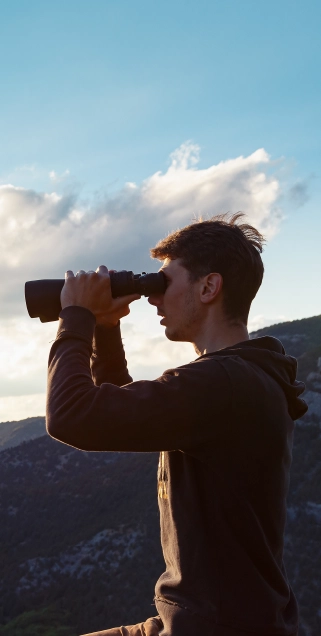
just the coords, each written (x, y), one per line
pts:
(155, 299)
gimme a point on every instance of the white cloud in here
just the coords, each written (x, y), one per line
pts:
(148, 351)
(260, 321)
(57, 178)
(43, 234)
(233, 185)
(24, 346)
(19, 407)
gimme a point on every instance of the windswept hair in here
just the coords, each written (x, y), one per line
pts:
(223, 244)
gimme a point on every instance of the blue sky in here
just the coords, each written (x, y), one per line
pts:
(110, 88)
(98, 94)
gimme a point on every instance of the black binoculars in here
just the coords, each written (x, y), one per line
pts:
(43, 296)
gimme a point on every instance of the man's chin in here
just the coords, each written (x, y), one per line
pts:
(173, 335)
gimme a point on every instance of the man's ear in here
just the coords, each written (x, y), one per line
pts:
(211, 287)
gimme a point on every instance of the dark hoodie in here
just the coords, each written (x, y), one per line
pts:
(224, 426)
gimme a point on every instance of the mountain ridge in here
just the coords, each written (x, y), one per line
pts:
(300, 338)
(13, 433)
(79, 543)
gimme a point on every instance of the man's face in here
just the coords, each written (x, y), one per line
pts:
(179, 305)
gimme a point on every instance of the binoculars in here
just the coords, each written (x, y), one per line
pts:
(43, 296)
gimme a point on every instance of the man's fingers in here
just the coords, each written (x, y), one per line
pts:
(122, 301)
(102, 269)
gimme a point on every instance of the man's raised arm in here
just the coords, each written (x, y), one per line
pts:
(163, 414)
(108, 362)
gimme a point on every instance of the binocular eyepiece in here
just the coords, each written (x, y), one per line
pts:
(43, 296)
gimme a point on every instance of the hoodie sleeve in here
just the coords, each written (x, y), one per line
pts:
(181, 409)
(108, 362)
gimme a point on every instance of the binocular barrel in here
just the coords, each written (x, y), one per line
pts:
(43, 296)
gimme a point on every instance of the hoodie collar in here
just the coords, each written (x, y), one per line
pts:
(268, 353)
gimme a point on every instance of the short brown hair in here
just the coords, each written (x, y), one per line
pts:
(223, 245)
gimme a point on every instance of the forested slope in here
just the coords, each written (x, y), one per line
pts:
(79, 538)
(80, 533)
(14, 433)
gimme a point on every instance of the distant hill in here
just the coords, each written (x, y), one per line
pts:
(300, 338)
(79, 538)
(14, 433)
(296, 335)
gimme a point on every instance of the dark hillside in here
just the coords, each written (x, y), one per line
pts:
(14, 433)
(303, 535)
(297, 336)
(79, 538)
(80, 531)
(300, 338)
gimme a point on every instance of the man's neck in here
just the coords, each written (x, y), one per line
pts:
(221, 336)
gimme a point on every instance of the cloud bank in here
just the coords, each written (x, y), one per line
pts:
(43, 234)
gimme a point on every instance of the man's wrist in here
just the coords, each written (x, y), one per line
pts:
(107, 324)
(101, 321)
(107, 340)
(77, 319)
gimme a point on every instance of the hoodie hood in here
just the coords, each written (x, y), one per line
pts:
(268, 353)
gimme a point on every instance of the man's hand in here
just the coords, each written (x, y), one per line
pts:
(92, 291)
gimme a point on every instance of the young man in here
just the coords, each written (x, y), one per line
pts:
(223, 425)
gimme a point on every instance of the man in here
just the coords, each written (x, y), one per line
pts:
(223, 425)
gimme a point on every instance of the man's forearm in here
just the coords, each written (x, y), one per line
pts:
(108, 362)
(162, 414)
